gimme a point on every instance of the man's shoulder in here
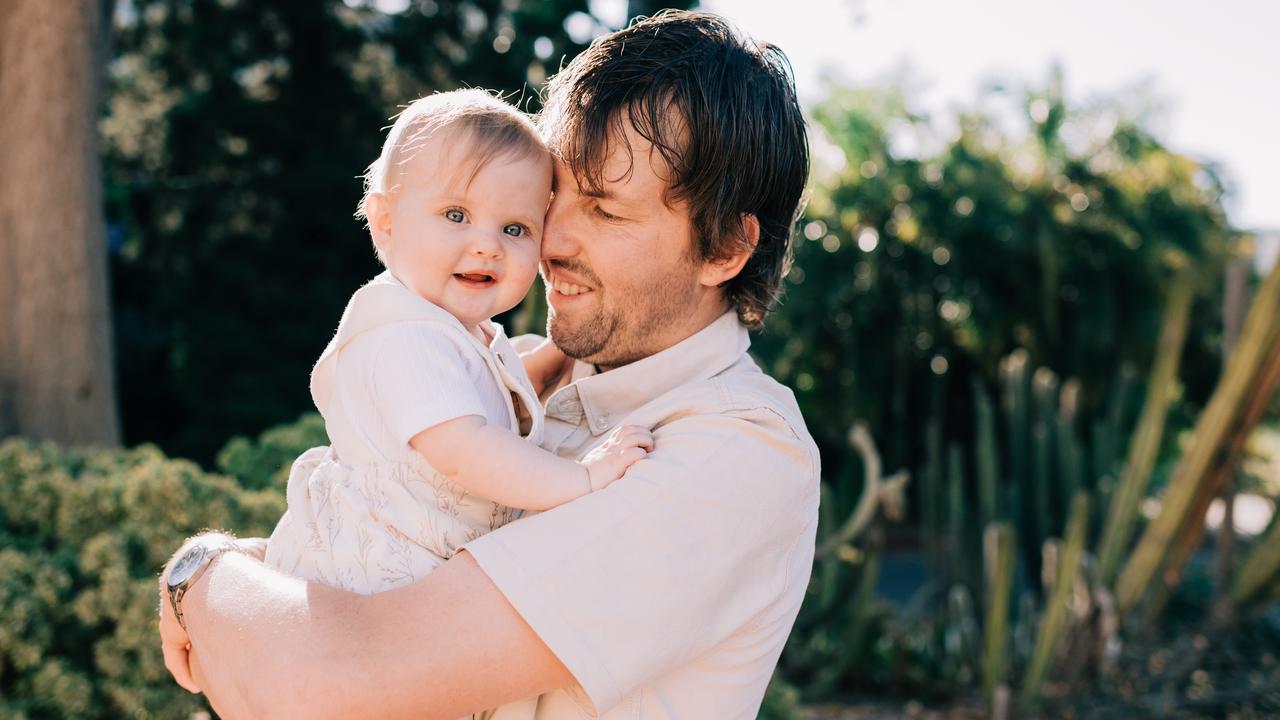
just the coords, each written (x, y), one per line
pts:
(742, 391)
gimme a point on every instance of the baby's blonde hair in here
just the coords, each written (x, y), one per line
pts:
(494, 128)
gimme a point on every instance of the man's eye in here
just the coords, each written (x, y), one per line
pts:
(516, 230)
(606, 215)
(455, 215)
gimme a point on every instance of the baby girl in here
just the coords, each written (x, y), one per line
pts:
(433, 420)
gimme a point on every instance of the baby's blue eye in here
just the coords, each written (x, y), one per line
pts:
(455, 215)
(515, 230)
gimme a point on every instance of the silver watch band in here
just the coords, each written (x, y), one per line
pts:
(176, 594)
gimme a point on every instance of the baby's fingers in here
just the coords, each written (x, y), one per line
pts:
(634, 436)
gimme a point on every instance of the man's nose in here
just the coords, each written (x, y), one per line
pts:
(557, 230)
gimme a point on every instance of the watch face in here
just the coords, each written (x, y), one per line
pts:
(187, 565)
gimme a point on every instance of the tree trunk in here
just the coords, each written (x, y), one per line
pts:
(56, 368)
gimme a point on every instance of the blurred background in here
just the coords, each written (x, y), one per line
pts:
(1033, 323)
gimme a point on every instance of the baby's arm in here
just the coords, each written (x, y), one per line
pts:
(497, 464)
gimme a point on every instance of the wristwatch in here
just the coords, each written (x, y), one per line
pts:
(188, 569)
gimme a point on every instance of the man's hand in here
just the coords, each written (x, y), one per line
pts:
(174, 642)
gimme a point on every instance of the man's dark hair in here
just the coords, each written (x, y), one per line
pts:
(721, 111)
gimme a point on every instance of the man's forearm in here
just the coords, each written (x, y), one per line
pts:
(270, 645)
(264, 642)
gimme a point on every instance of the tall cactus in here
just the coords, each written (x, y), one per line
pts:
(1070, 451)
(1054, 622)
(1144, 445)
(1015, 382)
(987, 456)
(959, 559)
(999, 558)
(1049, 514)
(1194, 482)
(1259, 576)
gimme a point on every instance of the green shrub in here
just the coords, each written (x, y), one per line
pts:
(265, 462)
(83, 534)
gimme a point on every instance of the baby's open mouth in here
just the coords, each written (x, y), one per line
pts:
(476, 279)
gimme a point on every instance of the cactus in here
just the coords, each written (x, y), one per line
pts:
(859, 620)
(1045, 390)
(961, 634)
(1014, 384)
(1046, 519)
(1144, 444)
(1116, 422)
(998, 553)
(1186, 542)
(1056, 616)
(1260, 573)
(931, 493)
(987, 457)
(1070, 452)
(1249, 378)
(956, 535)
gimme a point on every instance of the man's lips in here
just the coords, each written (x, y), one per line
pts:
(562, 282)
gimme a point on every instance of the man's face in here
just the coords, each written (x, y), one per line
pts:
(623, 279)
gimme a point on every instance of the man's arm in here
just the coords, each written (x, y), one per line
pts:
(270, 645)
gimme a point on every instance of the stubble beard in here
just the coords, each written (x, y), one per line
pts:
(620, 336)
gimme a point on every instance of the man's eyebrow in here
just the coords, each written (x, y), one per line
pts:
(598, 194)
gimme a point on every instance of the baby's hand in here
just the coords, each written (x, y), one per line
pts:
(624, 447)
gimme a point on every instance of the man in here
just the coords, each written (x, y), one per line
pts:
(681, 162)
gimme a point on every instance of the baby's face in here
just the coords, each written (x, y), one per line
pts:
(471, 248)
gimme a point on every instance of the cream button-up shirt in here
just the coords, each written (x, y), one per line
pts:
(670, 593)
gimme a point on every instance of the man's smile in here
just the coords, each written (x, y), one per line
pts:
(561, 282)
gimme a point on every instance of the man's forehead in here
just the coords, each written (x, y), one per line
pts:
(629, 167)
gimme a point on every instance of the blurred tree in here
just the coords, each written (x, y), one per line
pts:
(235, 134)
(922, 261)
(56, 377)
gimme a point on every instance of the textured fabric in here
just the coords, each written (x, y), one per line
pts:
(670, 593)
(368, 513)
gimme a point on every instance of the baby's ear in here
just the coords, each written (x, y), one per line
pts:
(377, 211)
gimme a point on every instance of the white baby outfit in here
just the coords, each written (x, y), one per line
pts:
(368, 513)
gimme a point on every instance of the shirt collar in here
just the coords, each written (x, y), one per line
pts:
(607, 397)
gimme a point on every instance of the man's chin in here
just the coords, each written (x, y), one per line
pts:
(579, 341)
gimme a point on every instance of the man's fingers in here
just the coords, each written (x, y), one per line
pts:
(175, 659)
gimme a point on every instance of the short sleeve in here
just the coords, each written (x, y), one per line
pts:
(707, 536)
(419, 378)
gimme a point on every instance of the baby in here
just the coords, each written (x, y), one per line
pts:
(434, 422)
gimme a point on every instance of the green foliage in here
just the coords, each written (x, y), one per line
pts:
(265, 462)
(916, 262)
(974, 305)
(83, 534)
(234, 136)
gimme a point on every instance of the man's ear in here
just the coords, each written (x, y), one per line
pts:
(718, 272)
(377, 210)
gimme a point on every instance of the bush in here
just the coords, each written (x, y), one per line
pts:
(83, 534)
(265, 462)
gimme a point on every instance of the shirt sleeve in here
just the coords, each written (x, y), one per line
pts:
(698, 541)
(420, 378)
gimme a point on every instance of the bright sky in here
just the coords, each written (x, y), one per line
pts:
(1213, 67)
